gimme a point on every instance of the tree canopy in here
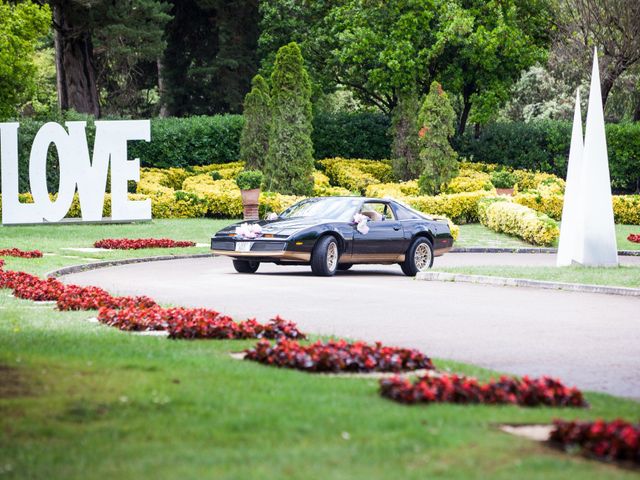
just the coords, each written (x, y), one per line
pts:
(21, 27)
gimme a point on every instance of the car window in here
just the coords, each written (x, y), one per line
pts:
(406, 214)
(377, 211)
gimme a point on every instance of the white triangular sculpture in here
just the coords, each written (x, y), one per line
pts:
(572, 228)
(593, 234)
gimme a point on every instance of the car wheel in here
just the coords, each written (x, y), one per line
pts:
(419, 257)
(245, 266)
(343, 267)
(324, 260)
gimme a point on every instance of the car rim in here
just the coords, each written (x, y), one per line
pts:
(332, 256)
(422, 256)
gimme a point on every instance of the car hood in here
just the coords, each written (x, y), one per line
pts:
(280, 226)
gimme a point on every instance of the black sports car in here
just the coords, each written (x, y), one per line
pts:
(333, 233)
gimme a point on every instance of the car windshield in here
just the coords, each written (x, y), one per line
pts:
(335, 208)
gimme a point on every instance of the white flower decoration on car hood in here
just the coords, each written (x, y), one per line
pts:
(247, 230)
(361, 222)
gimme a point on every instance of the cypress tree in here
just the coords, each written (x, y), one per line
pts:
(439, 159)
(404, 130)
(254, 140)
(289, 164)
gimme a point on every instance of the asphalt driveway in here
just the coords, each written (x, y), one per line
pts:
(588, 340)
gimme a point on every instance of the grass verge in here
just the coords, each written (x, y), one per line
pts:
(79, 400)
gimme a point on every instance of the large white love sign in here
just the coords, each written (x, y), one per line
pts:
(76, 169)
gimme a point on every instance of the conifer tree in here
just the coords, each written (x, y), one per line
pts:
(404, 130)
(254, 140)
(439, 160)
(289, 163)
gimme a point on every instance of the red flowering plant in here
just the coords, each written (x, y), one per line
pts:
(634, 237)
(16, 252)
(338, 356)
(30, 287)
(616, 440)
(138, 243)
(1, 263)
(193, 323)
(75, 297)
(459, 389)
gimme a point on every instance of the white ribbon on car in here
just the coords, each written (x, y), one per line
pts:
(361, 222)
(247, 230)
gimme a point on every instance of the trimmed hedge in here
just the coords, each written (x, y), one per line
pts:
(544, 145)
(503, 216)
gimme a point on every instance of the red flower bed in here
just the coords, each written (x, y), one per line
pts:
(135, 244)
(16, 252)
(192, 323)
(338, 356)
(30, 287)
(457, 389)
(75, 297)
(616, 440)
(635, 238)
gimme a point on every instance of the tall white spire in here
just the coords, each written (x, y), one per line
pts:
(570, 247)
(599, 240)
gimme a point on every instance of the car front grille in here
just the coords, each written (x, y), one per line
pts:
(268, 246)
(258, 246)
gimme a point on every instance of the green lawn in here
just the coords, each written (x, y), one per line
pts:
(79, 400)
(622, 276)
(476, 235)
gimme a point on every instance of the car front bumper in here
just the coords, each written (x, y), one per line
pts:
(270, 250)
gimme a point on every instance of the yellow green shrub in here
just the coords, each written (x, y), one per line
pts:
(356, 174)
(227, 171)
(543, 182)
(153, 181)
(276, 202)
(480, 167)
(222, 197)
(459, 207)
(550, 205)
(393, 190)
(626, 209)
(501, 215)
(468, 181)
(320, 179)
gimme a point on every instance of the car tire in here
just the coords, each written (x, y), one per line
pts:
(343, 267)
(245, 266)
(324, 259)
(419, 257)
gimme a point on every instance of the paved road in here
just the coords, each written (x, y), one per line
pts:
(588, 340)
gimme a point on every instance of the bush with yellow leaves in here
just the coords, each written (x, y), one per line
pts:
(356, 174)
(393, 190)
(469, 180)
(503, 216)
(226, 171)
(626, 209)
(459, 207)
(550, 205)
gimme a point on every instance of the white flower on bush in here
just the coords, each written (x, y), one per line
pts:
(249, 230)
(361, 221)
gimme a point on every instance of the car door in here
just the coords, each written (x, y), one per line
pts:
(385, 238)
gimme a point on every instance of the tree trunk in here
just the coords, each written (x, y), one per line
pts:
(164, 112)
(464, 116)
(77, 88)
(636, 113)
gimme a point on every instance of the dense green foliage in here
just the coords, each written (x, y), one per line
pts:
(378, 50)
(178, 142)
(351, 135)
(254, 141)
(211, 56)
(439, 162)
(249, 179)
(289, 164)
(405, 148)
(544, 145)
(21, 26)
